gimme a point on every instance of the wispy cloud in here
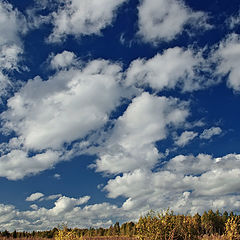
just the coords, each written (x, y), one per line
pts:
(209, 133)
(34, 197)
(12, 25)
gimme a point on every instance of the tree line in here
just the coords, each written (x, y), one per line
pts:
(125, 229)
(152, 226)
(157, 226)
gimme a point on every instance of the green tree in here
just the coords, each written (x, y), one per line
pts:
(14, 234)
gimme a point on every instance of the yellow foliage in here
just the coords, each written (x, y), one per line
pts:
(166, 227)
(233, 228)
(66, 234)
(185, 227)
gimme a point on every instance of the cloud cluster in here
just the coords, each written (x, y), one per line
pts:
(132, 142)
(81, 100)
(50, 120)
(187, 136)
(81, 97)
(78, 18)
(157, 20)
(39, 110)
(187, 184)
(42, 218)
(66, 204)
(163, 20)
(12, 25)
(41, 197)
(70, 211)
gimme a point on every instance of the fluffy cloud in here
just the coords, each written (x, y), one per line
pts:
(208, 133)
(175, 67)
(12, 24)
(81, 100)
(62, 60)
(78, 18)
(163, 20)
(17, 164)
(187, 184)
(132, 142)
(185, 138)
(229, 56)
(66, 210)
(7, 212)
(66, 204)
(190, 165)
(39, 110)
(34, 196)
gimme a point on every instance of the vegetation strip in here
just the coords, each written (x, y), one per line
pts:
(152, 226)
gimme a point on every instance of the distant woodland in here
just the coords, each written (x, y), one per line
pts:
(152, 226)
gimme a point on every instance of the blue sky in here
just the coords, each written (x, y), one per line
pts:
(112, 108)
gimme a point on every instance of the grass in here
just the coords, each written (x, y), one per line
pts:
(214, 237)
(205, 237)
(24, 238)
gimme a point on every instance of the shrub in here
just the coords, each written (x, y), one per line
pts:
(67, 234)
(233, 228)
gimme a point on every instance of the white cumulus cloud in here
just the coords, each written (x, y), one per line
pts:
(174, 68)
(34, 197)
(66, 209)
(62, 60)
(17, 164)
(80, 99)
(83, 17)
(66, 204)
(132, 141)
(12, 23)
(187, 184)
(163, 20)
